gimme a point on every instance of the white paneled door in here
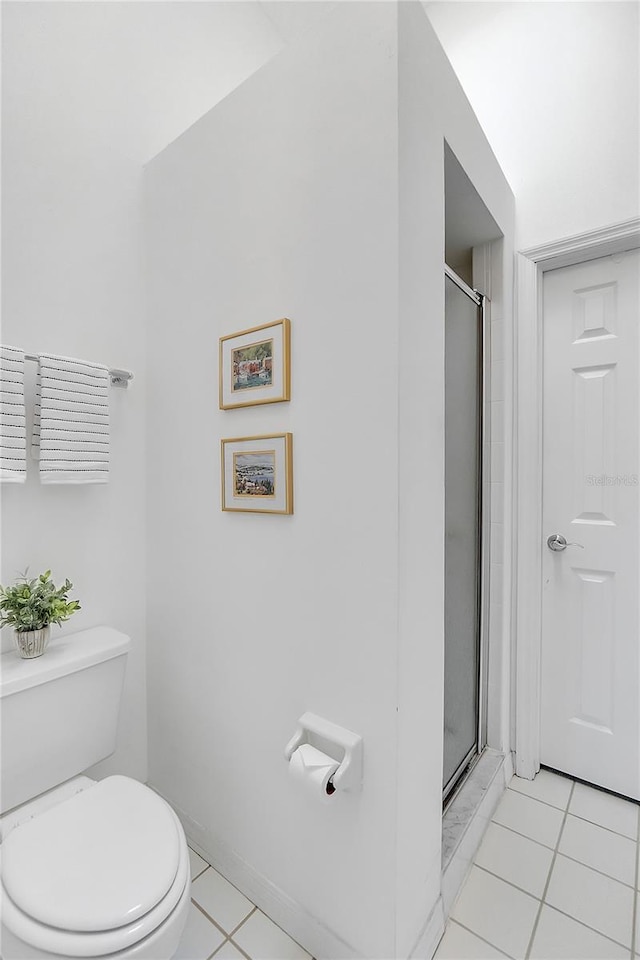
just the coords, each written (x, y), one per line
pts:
(590, 713)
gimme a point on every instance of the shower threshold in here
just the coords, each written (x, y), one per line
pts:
(467, 816)
(460, 778)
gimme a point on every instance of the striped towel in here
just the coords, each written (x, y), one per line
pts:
(71, 422)
(13, 430)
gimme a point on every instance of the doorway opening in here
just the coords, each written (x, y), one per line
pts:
(469, 232)
(465, 574)
(533, 267)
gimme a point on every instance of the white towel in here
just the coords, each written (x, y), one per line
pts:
(71, 422)
(13, 431)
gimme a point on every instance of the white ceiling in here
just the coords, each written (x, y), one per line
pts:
(539, 75)
(135, 74)
(555, 86)
(293, 17)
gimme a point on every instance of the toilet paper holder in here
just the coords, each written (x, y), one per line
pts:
(340, 744)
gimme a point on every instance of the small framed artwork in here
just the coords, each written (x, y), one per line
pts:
(255, 366)
(257, 474)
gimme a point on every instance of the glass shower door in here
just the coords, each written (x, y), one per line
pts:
(463, 522)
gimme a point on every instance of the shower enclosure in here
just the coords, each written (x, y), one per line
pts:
(466, 526)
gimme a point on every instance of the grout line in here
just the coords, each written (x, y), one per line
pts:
(206, 862)
(218, 949)
(545, 846)
(239, 949)
(592, 786)
(550, 905)
(509, 882)
(242, 950)
(553, 806)
(207, 867)
(228, 936)
(556, 853)
(209, 917)
(242, 922)
(581, 923)
(529, 894)
(546, 886)
(484, 940)
(636, 906)
(593, 823)
(581, 863)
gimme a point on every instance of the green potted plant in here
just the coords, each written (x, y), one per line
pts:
(30, 607)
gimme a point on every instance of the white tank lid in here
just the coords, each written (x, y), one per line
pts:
(64, 655)
(98, 861)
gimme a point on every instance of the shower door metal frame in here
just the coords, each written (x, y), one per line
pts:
(483, 563)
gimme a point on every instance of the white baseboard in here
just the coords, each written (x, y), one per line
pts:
(430, 936)
(321, 942)
(509, 769)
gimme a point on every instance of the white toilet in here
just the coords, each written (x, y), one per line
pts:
(88, 868)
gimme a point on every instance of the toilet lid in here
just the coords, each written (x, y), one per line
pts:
(97, 861)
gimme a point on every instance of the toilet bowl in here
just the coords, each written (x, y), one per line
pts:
(101, 873)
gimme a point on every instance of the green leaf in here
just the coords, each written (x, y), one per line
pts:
(32, 604)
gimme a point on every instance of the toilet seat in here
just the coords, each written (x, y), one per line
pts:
(72, 875)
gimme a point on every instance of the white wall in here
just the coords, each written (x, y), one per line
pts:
(90, 91)
(555, 86)
(281, 201)
(284, 201)
(71, 284)
(432, 109)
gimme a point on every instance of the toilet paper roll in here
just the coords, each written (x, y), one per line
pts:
(313, 769)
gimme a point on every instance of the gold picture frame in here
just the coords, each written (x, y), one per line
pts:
(257, 473)
(255, 366)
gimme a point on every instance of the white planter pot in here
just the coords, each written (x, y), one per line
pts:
(31, 643)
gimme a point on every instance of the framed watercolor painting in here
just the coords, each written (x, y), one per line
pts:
(255, 366)
(257, 474)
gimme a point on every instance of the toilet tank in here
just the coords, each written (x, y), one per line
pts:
(59, 712)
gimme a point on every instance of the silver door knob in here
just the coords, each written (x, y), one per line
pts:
(557, 542)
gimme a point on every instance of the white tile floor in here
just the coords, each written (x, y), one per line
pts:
(223, 924)
(556, 878)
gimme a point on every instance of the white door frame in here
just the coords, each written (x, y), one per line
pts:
(528, 534)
